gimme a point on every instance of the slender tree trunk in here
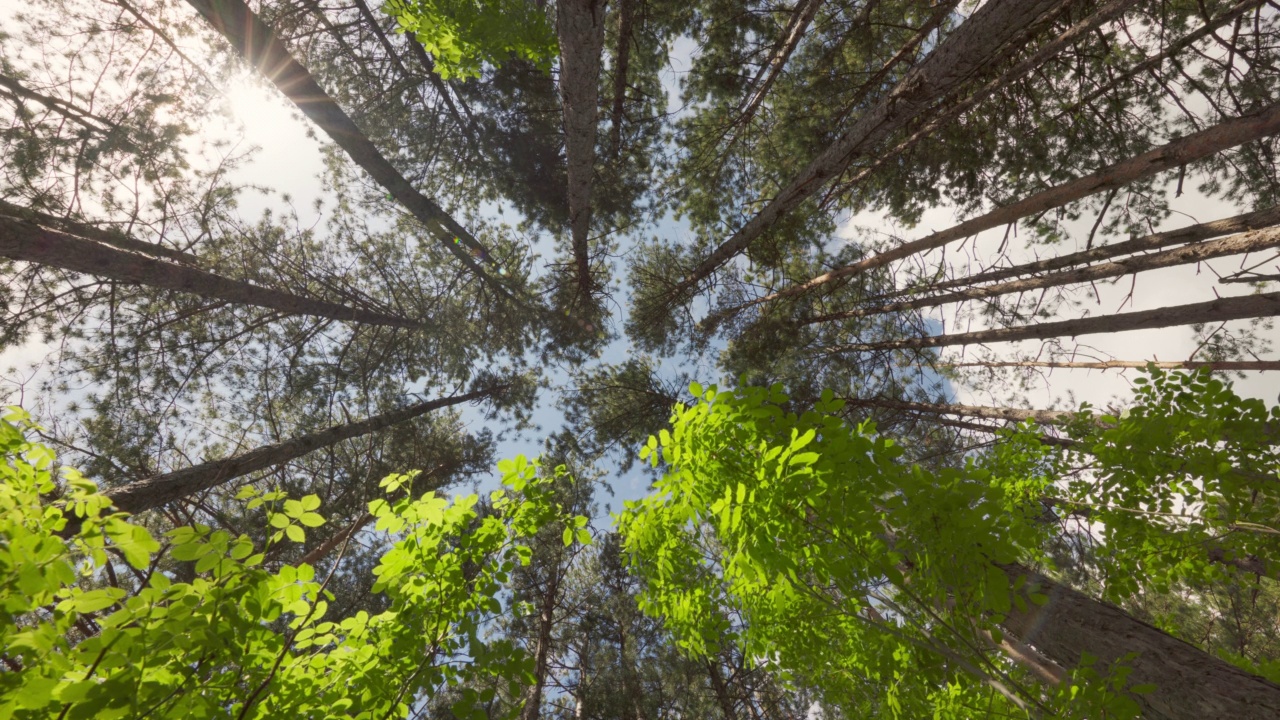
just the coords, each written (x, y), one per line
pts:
(1044, 417)
(1220, 310)
(442, 89)
(1160, 58)
(1041, 417)
(721, 690)
(332, 543)
(1190, 683)
(68, 110)
(1176, 153)
(255, 41)
(980, 40)
(621, 66)
(107, 236)
(161, 489)
(29, 242)
(1091, 23)
(546, 620)
(799, 23)
(580, 27)
(630, 685)
(1234, 245)
(1216, 366)
(1192, 233)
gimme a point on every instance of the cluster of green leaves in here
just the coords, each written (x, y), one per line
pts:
(239, 640)
(809, 541)
(464, 35)
(793, 536)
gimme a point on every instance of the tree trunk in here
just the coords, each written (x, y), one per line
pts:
(68, 110)
(721, 690)
(332, 543)
(1190, 683)
(1159, 59)
(621, 66)
(107, 236)
(1220, 310)
(801, 17)
(1091, 23)
(29, 242)
(1175, 154)
(161, 489)
(546, 619)
(580, 27)
(1199, 252)
(1043, 417)
(981, 39)
(1192, 233)
(1216, 366)
(255, 41)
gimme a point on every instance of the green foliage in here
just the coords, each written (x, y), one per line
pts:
(238, 640)
(809, 541)
(463, 35)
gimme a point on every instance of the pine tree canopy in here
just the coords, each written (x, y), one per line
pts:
(837, 359)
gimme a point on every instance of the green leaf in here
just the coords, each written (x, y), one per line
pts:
(295, 533)
(567, 536)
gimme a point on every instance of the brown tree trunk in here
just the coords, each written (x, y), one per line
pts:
(1220, 310)
(1167, 157)
(799, 23)
(1216, 366)
(68, 110)
(1199, 252)
(97, 233)
(1192, 233)
(1091, 23)
(29, 242)
(721, 690)
(580, 27)
(621, 66)
(977, 411)
(161, 489)
(255, 41)
(978, 41)
(1190, 683)
(546, 620)
(1159, 59)
(328, 546)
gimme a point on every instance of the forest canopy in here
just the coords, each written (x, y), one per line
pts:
(941, 331)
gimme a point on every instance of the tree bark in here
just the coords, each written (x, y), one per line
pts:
(1175, 154)
(1091, 23)
(1158, 59)
(29, 242)
(977, 42)
(801, 17)
(255, 41)
(1216, 366)
(1192, 233)
(111, 237)
(68, 110)
(169, 487)
(580, 27)
(1044, 417)
(1220, 310)
(532, 708)
(1234, 245)
(721, 690)
(1190, 683)
(621, 66)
